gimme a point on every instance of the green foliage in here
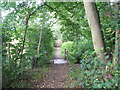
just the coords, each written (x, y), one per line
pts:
(66, 46)
(109, 23)
(77, 51)
(13, 32)
(75, 33)
(90, 74)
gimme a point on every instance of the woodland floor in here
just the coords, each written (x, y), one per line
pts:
(53, 76)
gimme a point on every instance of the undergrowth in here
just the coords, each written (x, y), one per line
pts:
(30, 76)
(90, 74)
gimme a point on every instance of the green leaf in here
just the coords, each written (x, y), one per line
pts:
(106, 57)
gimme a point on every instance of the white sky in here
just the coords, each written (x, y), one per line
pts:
(4, 13)
(38, 2)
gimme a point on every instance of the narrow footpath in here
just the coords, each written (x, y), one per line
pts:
(57, 76)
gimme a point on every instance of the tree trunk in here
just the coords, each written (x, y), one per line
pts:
(9, 55)
(40, 38)
(117, 45)
(98, 43)
(0, 49)
(25, 33)
(8, 51)
(94, 24)
(35, 60)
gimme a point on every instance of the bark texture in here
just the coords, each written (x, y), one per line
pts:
(94, 24)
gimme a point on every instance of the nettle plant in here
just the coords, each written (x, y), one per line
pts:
(91, 74)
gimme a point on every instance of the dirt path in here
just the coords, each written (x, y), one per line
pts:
(57, 76)
(57, 54)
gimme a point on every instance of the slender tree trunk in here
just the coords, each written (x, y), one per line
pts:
(25, 33)
(9, 55)
(116, 53)
(94, 23)
(40, 38)
(8, 51)
(41, 30)
(0, 48)
(35, 60)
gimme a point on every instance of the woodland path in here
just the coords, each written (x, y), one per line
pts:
(57, 76)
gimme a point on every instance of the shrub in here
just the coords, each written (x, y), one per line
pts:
(68, 46)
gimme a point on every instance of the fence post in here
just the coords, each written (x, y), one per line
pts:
(66, 54)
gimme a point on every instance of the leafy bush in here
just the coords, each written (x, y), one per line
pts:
(78, 51)
(66, 46)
